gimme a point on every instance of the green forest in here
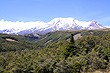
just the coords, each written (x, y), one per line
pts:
(89, 53)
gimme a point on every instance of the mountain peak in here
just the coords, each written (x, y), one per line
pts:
(2, 20)
(94, 21)
(62, 19)
(55, 24)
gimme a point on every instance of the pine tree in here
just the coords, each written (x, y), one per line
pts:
(71, 39)
(76, 67)
(70, 50)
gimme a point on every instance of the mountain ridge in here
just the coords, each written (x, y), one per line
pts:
(53, 25)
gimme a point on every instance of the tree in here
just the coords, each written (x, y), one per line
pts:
(70, 48)
(38, 69)
(76, 67)
(71, 39)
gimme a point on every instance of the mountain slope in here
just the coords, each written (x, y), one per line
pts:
(16, 43)
(56, 36)
(41, 27)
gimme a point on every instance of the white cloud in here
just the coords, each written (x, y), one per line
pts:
(107, 26)
(19, 25)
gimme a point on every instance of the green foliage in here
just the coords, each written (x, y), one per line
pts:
(71, 39)
(70, 48)
(18, 43)
(38, 69)
(86, 54)
(33, 36)
(76, 67)
(56, 36)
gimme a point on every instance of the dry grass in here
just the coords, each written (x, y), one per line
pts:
(11, 40)
(77, 36)
(100, 72)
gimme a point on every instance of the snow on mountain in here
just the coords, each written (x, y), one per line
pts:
(41, 27)
(15, 27)
(107, 26)
(71, 23)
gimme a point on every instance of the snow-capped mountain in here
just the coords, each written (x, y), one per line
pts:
(41, 27)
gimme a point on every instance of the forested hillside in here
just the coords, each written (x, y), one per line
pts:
(89, 53)
(56, 36)
(16, 43)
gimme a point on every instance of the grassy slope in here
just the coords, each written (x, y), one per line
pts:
(20, 43)
(65, 34)
(32, 41)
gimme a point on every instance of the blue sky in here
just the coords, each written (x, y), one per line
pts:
(46, 10)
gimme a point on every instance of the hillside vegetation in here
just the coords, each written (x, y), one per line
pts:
(16, 43)
(56, 36)
(89, 53)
